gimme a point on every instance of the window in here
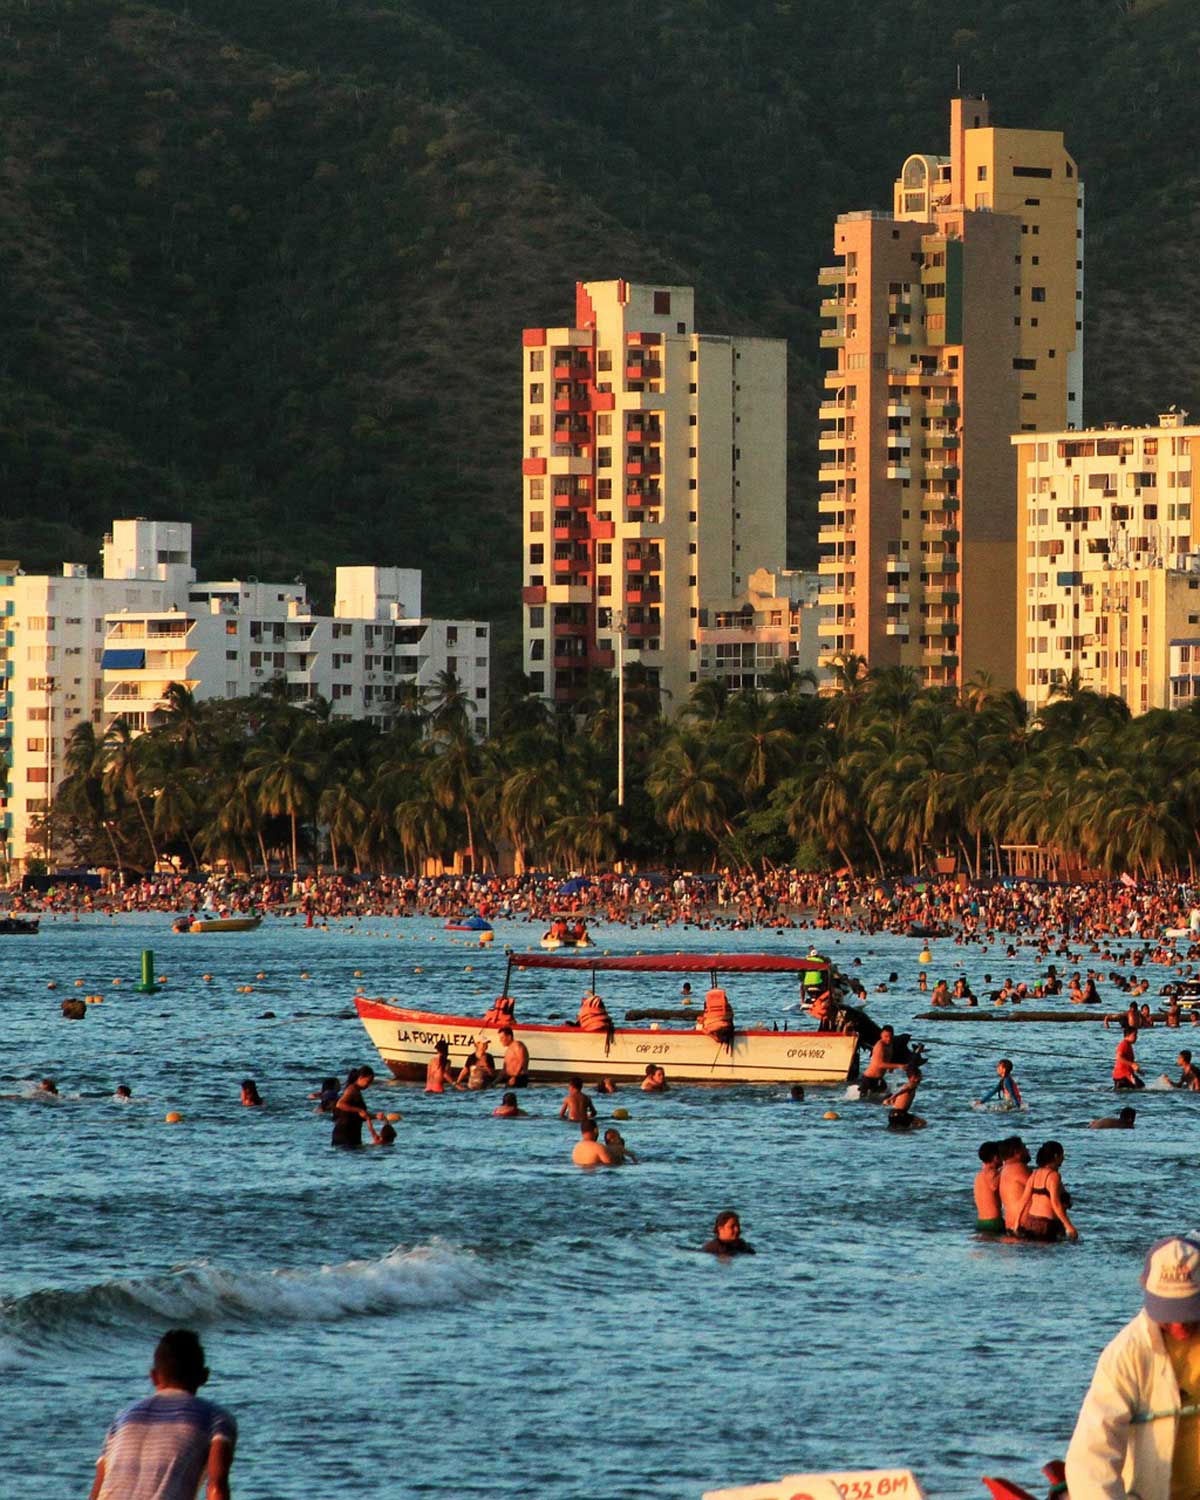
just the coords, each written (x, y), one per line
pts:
(537, 617)
(537, 426)
(604, 458)
(1032, 172)
(537, 555)
(981, 174)
(35, 747)
(662, 302)
(1024, 364)
(1037, 293)
(537, 520)
(537, 392)
(604, 359)
(537, 359)
(604, 424)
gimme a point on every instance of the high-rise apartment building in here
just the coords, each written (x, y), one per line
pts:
(1109, 584)
(956, 320)
(654, 470)
(84, 649)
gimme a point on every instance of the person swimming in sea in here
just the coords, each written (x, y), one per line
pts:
(727, 1237)
(1006, 1093)
(988, 1216)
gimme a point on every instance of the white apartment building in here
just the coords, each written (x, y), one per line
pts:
(774, 623)
(653, 475)
(81, 648)
(1109, 583)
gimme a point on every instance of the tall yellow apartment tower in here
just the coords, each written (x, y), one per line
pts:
(653, 473)
(957, 321)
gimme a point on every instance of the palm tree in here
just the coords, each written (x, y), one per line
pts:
(689, 790)
(756, 746)
(282, 770)
(122, 776)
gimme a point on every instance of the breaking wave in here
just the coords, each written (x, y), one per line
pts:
(204, 1293)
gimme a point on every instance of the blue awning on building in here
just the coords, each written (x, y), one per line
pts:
(123, 661)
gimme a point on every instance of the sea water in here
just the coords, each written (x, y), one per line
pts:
(466, 1313)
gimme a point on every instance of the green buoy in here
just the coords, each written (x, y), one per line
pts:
(147, 986)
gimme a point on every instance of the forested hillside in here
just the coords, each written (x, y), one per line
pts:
(264, 263)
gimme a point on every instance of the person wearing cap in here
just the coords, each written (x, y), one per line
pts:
(1138, 1432)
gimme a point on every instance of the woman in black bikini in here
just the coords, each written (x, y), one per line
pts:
(1043, 1212)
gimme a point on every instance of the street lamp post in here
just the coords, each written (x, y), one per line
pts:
(620, 626)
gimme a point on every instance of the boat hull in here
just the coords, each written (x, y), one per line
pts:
(405, 1040)
(227, 924)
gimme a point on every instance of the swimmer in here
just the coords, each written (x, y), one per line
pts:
(727, 1237)
(576, 1106)
(47, 1087)
(899, 1104)
(606, 1086)
(651, 1083)
(588, 1151)
(1122, 1120)
(1189, 1077)
(124, 1094)
(617, 1149)
(988, 1217)
(508, 1109)
(250, 1094)
(1006, 1093)
(796, 1093)
(327, 1094)
(387, 1131)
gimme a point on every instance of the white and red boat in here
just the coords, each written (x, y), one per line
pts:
(406, 1038)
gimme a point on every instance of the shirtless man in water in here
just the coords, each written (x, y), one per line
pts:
(872, 1081)
(1014, 1174)
(515, 1062)
(588, 1151)
(988, 1217)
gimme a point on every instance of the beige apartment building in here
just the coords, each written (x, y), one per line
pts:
(956, 320)
(774, 626)
(1110, 578)
(653, 474)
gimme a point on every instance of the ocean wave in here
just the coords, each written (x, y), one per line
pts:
(204, 1293)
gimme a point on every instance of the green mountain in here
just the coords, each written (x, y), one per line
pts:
(265, 264)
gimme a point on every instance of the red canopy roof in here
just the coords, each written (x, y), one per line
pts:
(678, 963)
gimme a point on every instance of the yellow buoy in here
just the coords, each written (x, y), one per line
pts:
(207, 978)
(394, 1115)
(162, 979)
(174, 1118)
(924, 957)
(620, 1114)
(485, 938)
(831, 1114)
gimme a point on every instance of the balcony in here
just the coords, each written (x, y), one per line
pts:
(646, 498)
(572, 436)
(565, 660)
(899, 409)
(640, 629)
(603, 401)
(569, 463)
(533, 466)
(565, 629)
(833, 338)
(641, 401)
(602, 660)
(603, 531)
(832, 307)
(833, 438)
(636, 593)
(644, 435)
(579, 532)
(572, 369)
(565, 593)
(641, 467)
(649, 369)
(577, 401)
(650, 564)
(643, 340)
(896, 596)
(899, 471)
(831, 275)
(897, 628)
(948, 409)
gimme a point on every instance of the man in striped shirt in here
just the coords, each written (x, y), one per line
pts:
(161, 1447)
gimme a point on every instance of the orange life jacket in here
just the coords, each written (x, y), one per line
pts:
(502, 1013)
(718, 1013)
(593, 1016)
